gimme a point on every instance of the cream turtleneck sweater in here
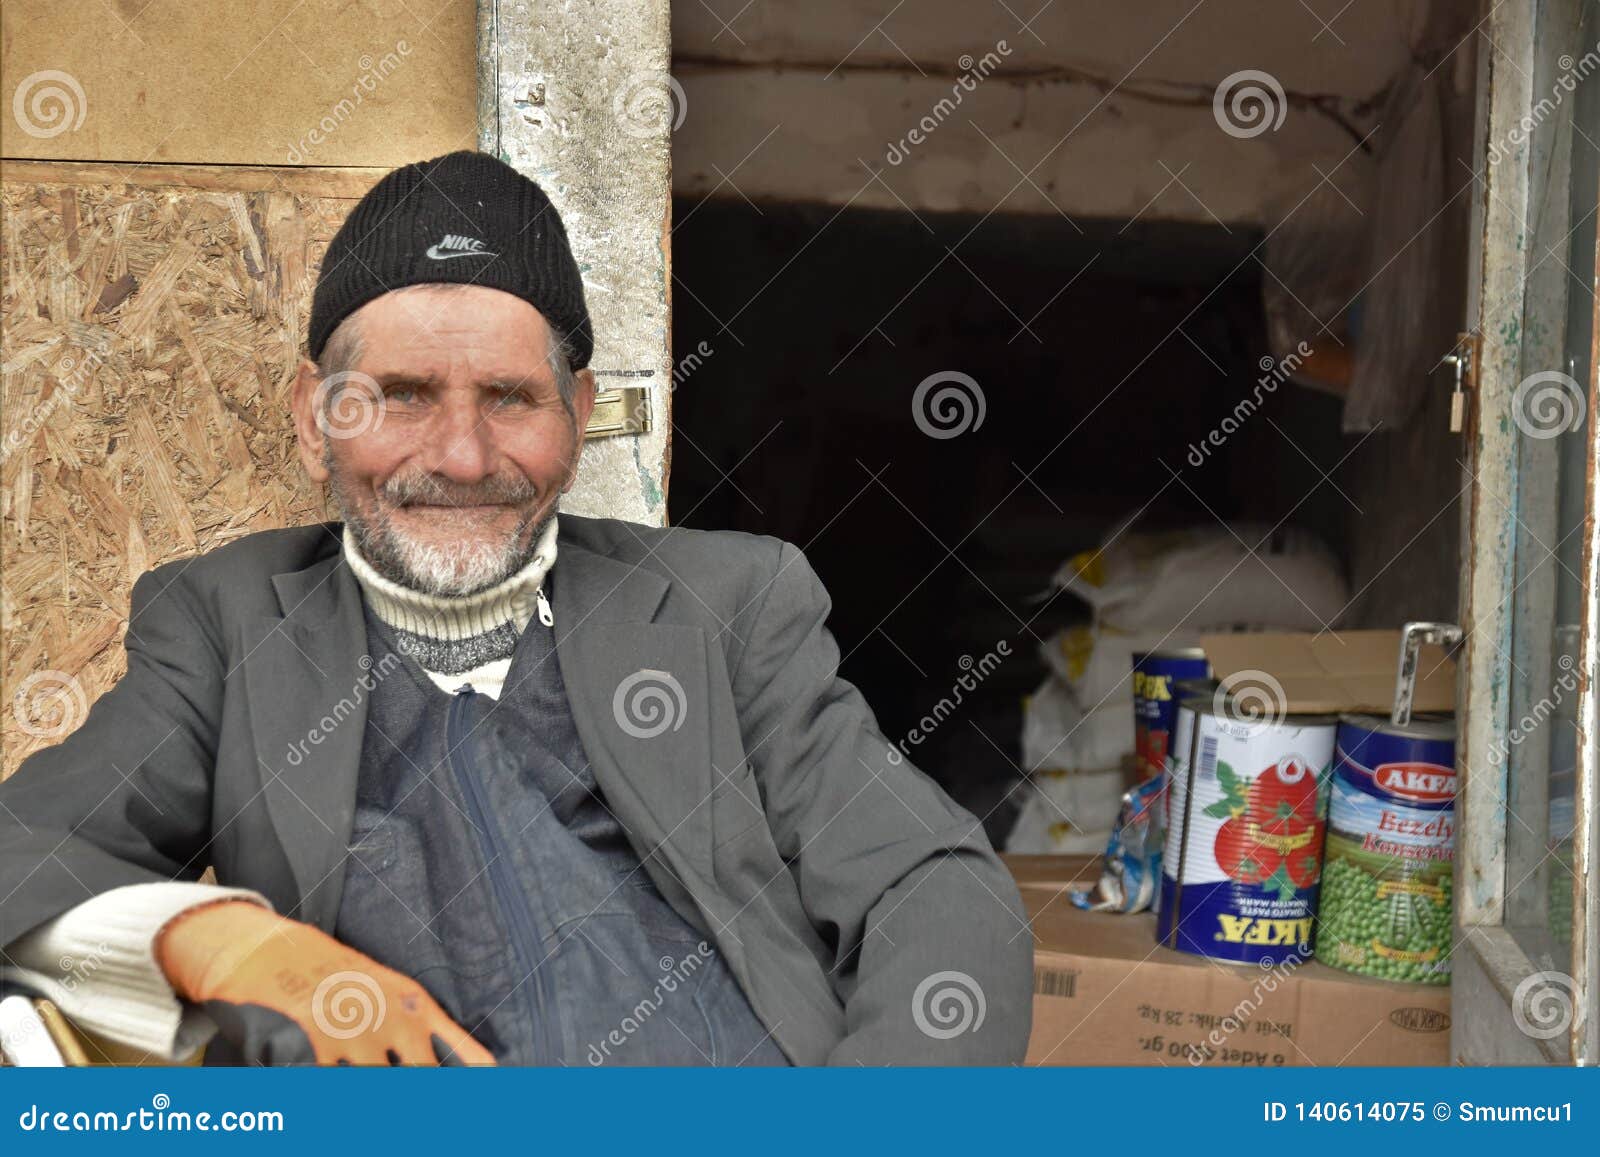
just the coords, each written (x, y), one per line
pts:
(461, 639)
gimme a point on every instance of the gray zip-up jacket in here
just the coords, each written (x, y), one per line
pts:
(865, 914)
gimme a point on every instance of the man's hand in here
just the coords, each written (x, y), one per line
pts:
(288, 991)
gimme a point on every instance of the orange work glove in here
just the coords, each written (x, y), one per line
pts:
(286, 992)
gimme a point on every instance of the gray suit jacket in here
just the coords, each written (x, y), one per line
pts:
(862, 911)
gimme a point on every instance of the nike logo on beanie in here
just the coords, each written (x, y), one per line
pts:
(455, 245)
(412, 226)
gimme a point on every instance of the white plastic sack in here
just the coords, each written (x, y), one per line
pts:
(1243, 576)
(1060, 812)
(1095, 664)
(1058, 735)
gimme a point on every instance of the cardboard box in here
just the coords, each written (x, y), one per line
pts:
(1054, 873)
(1106, 994)
(1335, 670)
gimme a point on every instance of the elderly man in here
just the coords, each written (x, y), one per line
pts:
(480, 783)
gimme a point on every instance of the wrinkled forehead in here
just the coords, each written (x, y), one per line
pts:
(434, 328)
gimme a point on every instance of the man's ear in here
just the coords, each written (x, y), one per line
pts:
(583, 390)
(308, 431)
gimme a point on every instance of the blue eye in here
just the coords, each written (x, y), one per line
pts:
(401, 394)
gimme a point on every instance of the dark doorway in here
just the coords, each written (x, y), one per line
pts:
(1099, 353)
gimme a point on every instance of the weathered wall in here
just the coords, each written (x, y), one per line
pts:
(579, 98)
(786, 99)
(1024, 146)
(1089, 108)
(1352, 53)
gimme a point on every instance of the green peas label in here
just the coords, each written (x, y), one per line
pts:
(1386, 900)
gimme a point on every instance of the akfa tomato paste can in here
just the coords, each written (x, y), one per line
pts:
(1156, 675)
(1246, 810)
(1387, 887)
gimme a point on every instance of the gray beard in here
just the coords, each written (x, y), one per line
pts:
(454, 570)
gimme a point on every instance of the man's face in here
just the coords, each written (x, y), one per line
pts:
(447, 443)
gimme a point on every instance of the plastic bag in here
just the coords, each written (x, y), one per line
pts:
(1131, 875)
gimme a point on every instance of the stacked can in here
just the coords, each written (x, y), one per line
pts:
(1386, 896)
(1246, 806)
(1156, 675)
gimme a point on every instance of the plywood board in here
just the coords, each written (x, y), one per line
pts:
(271, 82)
(151, 335)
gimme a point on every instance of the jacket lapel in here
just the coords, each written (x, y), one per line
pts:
(307, 682)
(639, 692)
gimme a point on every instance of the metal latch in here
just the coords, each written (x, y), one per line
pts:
(620, 411)
(1464, 363)
(1412, 637)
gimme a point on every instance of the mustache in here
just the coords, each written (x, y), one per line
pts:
(430, 490)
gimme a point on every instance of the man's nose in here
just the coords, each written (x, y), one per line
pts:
(460, 441)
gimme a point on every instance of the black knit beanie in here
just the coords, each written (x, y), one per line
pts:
(465, 217)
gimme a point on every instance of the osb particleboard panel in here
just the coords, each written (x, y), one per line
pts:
(269, 82)
(151, 334)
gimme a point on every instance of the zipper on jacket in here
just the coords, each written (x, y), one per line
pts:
(525, 940)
